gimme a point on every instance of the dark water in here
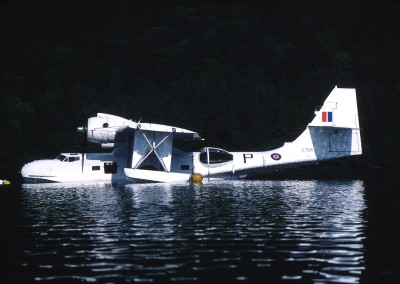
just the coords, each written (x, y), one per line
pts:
(271, 231)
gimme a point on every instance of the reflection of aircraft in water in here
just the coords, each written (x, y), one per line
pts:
(146, 152)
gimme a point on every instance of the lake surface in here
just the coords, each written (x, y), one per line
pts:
(260, 231)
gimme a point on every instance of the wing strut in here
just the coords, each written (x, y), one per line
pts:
(153, 148)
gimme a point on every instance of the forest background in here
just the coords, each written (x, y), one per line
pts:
(245, 76)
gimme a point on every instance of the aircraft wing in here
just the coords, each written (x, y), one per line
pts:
(179, 133)
(125, 135)
(107, 129)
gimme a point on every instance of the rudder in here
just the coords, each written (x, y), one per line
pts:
(335, 129)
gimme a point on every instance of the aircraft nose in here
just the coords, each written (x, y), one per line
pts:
(27, 169)
(35, 168)
(38, 168)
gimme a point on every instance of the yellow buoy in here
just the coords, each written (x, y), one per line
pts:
(197, 178)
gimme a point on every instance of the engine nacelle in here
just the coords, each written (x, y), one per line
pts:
(102, 129)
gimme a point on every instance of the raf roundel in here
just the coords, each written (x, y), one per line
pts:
(275, 156)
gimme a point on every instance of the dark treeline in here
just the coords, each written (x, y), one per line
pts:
(245, 76)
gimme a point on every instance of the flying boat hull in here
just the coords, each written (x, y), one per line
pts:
(146, 152)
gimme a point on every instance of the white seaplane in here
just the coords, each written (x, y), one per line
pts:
(146, 152)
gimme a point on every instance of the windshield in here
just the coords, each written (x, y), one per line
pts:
(61, 157)
(64, 158)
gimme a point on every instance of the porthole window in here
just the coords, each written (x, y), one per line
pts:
(95, 168)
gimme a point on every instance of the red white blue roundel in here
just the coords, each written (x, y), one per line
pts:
(276, 156)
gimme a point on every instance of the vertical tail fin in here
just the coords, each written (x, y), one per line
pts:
(333, 133)
(335, 129)
(339, 110)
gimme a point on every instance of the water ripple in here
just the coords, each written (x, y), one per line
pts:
(236, 231)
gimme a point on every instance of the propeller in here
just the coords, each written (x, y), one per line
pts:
(83, 129)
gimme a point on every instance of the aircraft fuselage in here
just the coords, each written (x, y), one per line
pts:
(68, 167)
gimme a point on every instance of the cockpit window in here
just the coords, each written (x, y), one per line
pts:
(73, 159)
(61, 157)
(64, 158)
(215, 156)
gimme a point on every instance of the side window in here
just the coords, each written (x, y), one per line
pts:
(73, 159)
(184, 167)
(219, 156)
(95, 168)
(203, 156)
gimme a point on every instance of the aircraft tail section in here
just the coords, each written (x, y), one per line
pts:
(338, 110)
(335, 131)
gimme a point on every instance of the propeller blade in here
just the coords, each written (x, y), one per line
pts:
(83, 149)
(83, 129)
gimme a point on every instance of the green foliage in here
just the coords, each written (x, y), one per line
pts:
(244, 76)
